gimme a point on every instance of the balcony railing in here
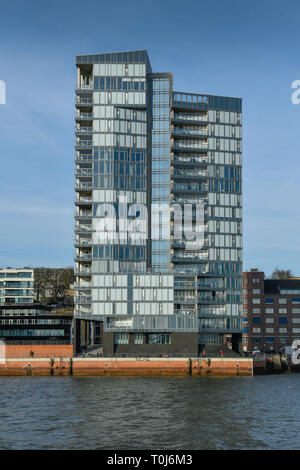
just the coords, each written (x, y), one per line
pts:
(85, 214)
(80, 299)
(212, 285)
(211, 300)
(83, 228)
(82, 158)
(189, 145)
(189, 132)
(84, 101)
(83, 200)
(84, 144)
(190, 117)
(190, 187)
(80, 258)
(184, 285)
(189, 174)
(84, 86)
(83, 272)
(83, 172)
(86, 186)
(86, 285)
(190, 160)
(84, 116)
(82, 242)
(83, 130)
(190, 258)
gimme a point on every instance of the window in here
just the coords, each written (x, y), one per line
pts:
(256, 291)
(121, 338)
(138, 338)
(245, 329)
(256, 301)
(282, 310)
(270, 340)
(256, 319)
(256, 330)
(255, 310)
(282, 330)
(283, 320)
(283, 340)
(158, 339)
(270, 320)
(295, 301)
(295, 310)
(269, 330)
(269, 310)
(296, 330)
(282, 301)
(256, 340)
(269, 300)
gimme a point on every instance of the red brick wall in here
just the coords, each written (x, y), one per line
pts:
(43, 350)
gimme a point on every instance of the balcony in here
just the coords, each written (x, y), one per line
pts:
(83, 130)
(83, 242)
(86, 285)
(192, 118)
(82, 258)
(84, 186)
(211, 285)
(196, 174)
(190, 188)
(189, 258)
(83, 172)
(84, 116)
(83, 272)
(206, 299)
(193, 133)
(83, 144)
(189, 160)
(185, 285)
(83, 158)
(83, 200)
(83, 214)
(83, 228)
(79, 101)
(84, 87)
(188, 146)
(185, 300)
(81, 299)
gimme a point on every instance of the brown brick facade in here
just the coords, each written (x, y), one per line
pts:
(271, 315)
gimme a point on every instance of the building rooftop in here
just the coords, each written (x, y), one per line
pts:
(276, 286)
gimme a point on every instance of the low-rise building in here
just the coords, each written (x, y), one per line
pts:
(16, 286)
(271, 307)
(35, 324)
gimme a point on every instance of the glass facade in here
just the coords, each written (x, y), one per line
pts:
(147, 159)
(16, 286)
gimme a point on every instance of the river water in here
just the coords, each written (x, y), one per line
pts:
(150, 413)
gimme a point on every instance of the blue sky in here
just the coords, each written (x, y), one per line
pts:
(236, 48)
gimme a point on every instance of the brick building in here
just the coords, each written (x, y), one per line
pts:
(271, 309)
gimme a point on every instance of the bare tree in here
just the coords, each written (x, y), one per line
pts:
(52, 284)
(282, 274)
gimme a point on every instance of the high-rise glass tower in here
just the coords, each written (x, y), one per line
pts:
(158, 221)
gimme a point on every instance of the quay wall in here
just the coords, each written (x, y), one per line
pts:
(116, 367)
